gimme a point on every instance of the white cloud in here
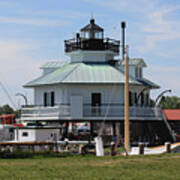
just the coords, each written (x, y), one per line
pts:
(159, 29)
(158, 21)
(33, 21)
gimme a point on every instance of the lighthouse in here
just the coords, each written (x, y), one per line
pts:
(90, 89)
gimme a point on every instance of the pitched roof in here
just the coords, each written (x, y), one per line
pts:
(172, 114)
(83, 73)
(53, 64)
(149, 83)
(92, 26)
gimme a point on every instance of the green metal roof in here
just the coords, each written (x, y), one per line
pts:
(83, 73)
(149, 83)
(53, 64)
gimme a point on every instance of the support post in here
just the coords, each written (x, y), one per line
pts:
(126, 118)
(92, 129)
(114, 129)
(168, 147)
(66, 129)
(141, 148)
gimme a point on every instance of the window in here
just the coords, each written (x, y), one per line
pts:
(147, 99)
(83, 34)
(49, 98)
(135, 98)
(136, 72)
(101, 35)
(25, 134)
(130, 99)
(87, 35)
(98, 35)
(142, 99)
(140, 72)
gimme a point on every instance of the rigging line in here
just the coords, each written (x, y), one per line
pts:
(9, 97)
(4, 82)
(107, 109)
(119, 138)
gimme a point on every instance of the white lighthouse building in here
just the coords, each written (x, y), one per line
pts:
(90, 88)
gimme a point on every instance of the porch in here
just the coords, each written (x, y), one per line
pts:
(88, 112)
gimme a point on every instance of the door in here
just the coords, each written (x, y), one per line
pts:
(96, 103)
(96, 99)
(76, 107)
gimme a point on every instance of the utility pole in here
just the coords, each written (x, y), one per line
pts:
(126, 104)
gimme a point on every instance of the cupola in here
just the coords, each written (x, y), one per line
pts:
(90, 45)
(92, 31)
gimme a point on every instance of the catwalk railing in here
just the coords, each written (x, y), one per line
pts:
(61, 111)
(92, 44)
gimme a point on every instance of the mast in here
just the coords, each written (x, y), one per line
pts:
(123, 26)
(126, 89)
(126, 104)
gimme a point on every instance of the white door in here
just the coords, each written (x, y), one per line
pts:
(76, 107)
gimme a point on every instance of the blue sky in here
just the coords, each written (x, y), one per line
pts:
(33, 32)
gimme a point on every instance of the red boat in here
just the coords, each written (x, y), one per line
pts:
(8, 119)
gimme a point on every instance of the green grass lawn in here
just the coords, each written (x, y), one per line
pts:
(89, 167)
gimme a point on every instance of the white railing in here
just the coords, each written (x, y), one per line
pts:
(118, 111)
(41, 111)
(89, 111)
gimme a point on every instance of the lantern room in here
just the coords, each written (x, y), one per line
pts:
(92, 31)
(91, 38)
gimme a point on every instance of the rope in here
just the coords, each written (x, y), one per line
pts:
(107, 110)
(8, 95)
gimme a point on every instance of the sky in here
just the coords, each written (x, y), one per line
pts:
(33, 32)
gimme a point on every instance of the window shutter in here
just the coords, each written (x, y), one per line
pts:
(52, 98)
(45, 99)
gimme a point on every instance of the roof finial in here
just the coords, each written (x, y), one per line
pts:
(92, 19)
(92, 16)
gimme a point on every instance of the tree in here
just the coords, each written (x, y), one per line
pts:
(168, 102)
(152, 103)
(6, 109)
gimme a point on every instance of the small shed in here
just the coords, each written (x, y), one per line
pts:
(36, 133)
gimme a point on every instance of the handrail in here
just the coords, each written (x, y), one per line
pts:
(92, 44)
(90, 111)
(169, 127)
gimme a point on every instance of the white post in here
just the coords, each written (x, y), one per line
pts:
(99, 146)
